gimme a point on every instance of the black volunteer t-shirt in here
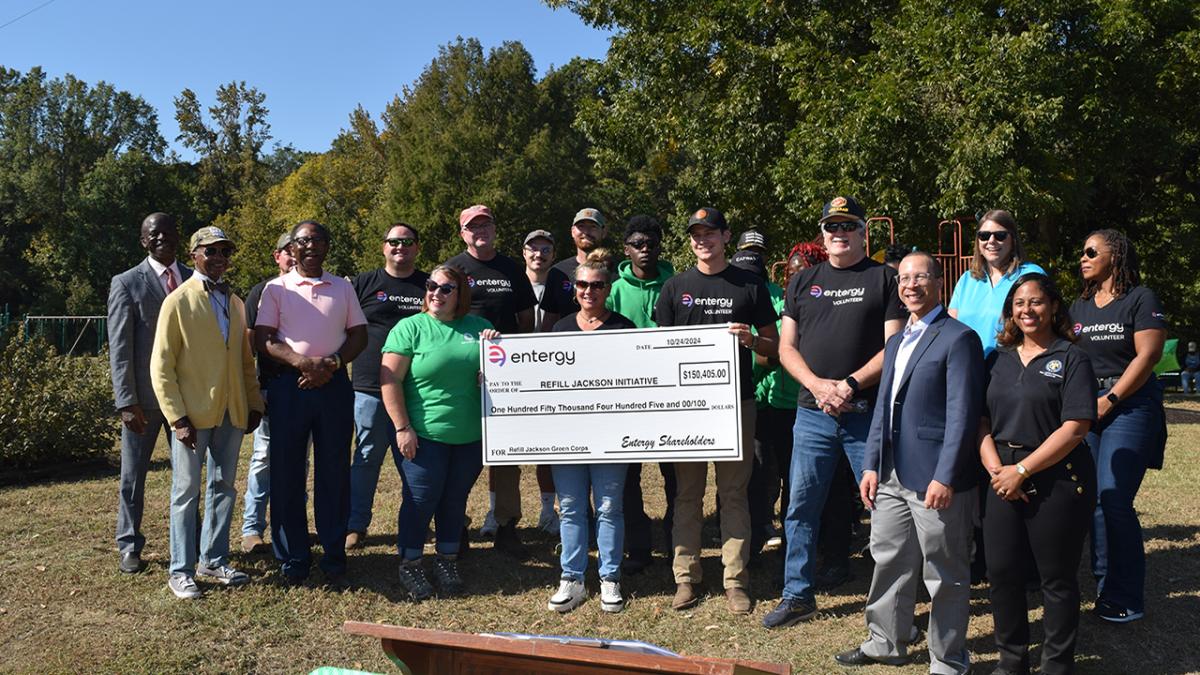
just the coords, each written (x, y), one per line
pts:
(839, 315)
(733, 295)
(1106, 333)
(614, 322)
(559, 297)
(1028, 403)
(499, 289)
(268, 367)
(384, 300)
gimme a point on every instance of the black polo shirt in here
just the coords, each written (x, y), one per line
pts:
(1106, 333)
(1028, 403)
(614, 321)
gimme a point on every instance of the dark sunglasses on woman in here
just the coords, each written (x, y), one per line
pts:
(1000, 235)
(443, 289)
(594, 285)
(1090, 252)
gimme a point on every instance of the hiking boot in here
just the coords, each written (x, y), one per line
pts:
(223, 574)
(570, 595)
(412, 578)
(738, 599)
(445, 574)
(611, 599)
(508, 543)
(789, 612)
(686, 596)
(184, 587)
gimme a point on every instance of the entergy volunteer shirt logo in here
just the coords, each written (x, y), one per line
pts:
(497, 355)
(815, 291)
(686, 299)
(381, 296)
(1078, 328)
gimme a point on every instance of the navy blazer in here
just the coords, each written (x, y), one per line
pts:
(935, 422)
(134, 299)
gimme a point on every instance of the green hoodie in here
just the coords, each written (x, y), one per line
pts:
(775, 387)
(634, 298)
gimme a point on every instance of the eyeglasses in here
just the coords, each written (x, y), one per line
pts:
(918, 278)
(642, 244)
(397, 242)
(1090, 252)
(314, 240)
(842, 226)
(443, 289)
(225, 252)
(984, 235)
(594, 285)
(544, 250)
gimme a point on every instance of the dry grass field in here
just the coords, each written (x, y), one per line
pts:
(65, 608)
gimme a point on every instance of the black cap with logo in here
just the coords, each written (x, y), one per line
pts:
(707, 215)
(843, 206)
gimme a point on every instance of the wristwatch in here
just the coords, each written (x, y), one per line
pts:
(853, 384)
(1113, 398)
(1021, 470)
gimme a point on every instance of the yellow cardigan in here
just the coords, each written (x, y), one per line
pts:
(192, 371)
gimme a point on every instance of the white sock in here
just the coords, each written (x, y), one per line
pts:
(548, 502)
(491, 502)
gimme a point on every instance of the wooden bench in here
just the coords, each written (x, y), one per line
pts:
(417, 651)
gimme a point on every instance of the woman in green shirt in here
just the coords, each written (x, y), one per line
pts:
(430, 386)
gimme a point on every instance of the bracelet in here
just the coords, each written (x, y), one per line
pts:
(406, 427)
(753, 341)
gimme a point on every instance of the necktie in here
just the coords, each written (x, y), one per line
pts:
(171, 284)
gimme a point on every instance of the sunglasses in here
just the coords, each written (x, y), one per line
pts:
(594, 285)
(397, 242)
(642, 244)
(984, 235)
(1090, 252)
(842, 226)
(315, 240)
(225, 252)
(442, 289)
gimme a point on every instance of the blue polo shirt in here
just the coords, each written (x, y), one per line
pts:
(980, 304)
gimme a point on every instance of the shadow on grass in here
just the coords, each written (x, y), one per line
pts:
(1181, 415)
(68, 472)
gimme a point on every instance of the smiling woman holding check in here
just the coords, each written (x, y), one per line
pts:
(430, 384)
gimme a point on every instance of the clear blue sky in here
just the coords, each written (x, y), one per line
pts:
(314, 60)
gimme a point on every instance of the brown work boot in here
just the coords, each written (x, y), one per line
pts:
(685, 596)
(355, 540)
(251, 542)
(739, 601)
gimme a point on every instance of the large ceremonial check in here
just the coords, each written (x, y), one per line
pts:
(652, 395)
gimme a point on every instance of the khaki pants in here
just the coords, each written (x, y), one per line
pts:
(506, 483)
(732, 481)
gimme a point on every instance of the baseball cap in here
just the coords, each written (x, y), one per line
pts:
(707, 215)
(472, 212)
(752, 238)
(842, 206)
(751, 262)
(593, 215)
(208, 235)
(284, 240)
(536, 234)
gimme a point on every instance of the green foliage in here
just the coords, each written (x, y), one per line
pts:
(53, 408)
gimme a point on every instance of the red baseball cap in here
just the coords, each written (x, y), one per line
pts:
(472, 212)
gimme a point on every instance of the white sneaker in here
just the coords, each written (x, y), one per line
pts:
(610, 596)
(489, 527)
(548, 522)
(223, 574)
(570, 595)
(184, 587)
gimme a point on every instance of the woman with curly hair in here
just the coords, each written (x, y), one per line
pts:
(1120, 325)
(1041, 402)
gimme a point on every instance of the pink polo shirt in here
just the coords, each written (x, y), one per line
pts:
(310, 315)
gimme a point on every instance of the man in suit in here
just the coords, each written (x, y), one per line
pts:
(920, 469)
(134, 299)
(203, 375)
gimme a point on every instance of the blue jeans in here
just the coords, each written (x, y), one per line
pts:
(575, 484)
(258, 481)
(817, 440)
(327, 414)
(374, 435)
(221, 445)
(1124, 444)
(1188, 381)
(436, 483)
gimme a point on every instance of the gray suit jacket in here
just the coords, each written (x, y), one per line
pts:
(133, 303)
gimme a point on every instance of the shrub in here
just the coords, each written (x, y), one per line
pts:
(53, 408)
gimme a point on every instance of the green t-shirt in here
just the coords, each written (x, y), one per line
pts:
(441, 389)
(774, 387)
